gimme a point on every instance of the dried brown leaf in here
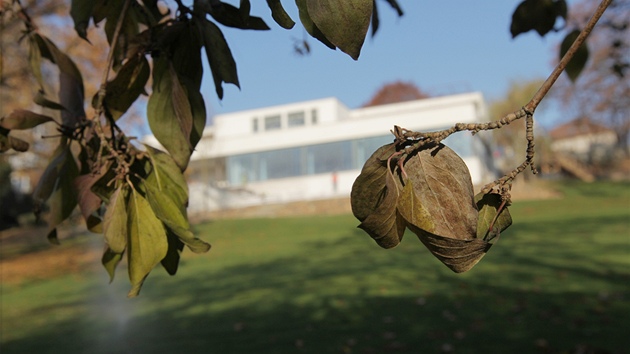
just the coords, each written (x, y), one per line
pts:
(367, 190)
(459, 255)
(442, 182)
(411, 209)
(384, 224)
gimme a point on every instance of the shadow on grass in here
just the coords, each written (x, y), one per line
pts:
(548, 293)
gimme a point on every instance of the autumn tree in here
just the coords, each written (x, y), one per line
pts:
(136, 195)
(17, 83)
(397, 91)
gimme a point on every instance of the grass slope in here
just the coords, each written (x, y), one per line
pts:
(557, 281)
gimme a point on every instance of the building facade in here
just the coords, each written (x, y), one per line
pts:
(315, 149)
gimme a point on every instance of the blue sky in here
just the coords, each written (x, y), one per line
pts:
(443, 47)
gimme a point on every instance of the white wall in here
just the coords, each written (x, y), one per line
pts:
(232, 133)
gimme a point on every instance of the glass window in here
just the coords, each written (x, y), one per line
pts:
(462, 144)
(296, 119)
(329, 157)
(242, 169)
(314, 116)
(280, 163)
(304, 160)
(364, 148)
(273, 122)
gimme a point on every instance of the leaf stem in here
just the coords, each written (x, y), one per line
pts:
(494, 220)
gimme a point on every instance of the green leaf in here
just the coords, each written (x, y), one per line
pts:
(538, 15)
(50, 176)
(167, 176)
(153, 13)
(186, 55)
(231, 16)
(165, 102)
(164, 207)
(81, 12)
(127, 86)
(220, 58)
(71, 91)
(561, 9)
(104, 187)
(375, 17)
(488, 205)
(110, 260)
(50, 51)
(23, 119)
(343, 23)
(41, 99)
(63, 199)
(195, 99)
(198, 107)
(310, 26)
(4, 142)
(35, 60)
(129, 29)
(578, 62)
(244, 8)
(181, 105)
(194, 243)
(171, 260)
(89, 203)
(147, 243)
(394, 4)
(163, 118)
(165, 203)
(101, 9)
(115, 221)
(280, 15)
(56, 189)
(376, 23)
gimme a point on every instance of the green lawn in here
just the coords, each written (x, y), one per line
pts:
(557, 281)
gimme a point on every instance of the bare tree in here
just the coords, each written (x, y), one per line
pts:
(602, 91)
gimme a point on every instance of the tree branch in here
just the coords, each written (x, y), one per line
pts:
(411, 140)
(546, 86)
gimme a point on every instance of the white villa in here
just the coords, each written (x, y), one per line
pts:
(315, 149)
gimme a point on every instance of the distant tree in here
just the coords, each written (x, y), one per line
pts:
(395, 92)
(15, 71)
